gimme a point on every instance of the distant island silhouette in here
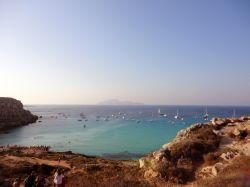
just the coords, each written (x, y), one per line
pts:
(118, 102)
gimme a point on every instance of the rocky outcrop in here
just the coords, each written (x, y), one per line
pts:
(12, 114)
(176, 160)
(187, 157)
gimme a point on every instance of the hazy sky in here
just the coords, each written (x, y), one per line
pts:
(155, 52)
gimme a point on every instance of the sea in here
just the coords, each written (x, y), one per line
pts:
(114, 132)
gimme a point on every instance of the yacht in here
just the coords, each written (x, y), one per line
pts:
(83, 116)
(161, 114)
(177, 116)
(205, 115)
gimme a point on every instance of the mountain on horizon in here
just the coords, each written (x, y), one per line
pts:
(118, 102)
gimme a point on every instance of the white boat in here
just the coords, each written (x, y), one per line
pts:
(177, 116)
(205, 115)
(161, 114)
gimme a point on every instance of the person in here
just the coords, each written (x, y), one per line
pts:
(63, 179)
(30, 180)
(17, 182)
(58, 178)
(46, 182)
(39, 182)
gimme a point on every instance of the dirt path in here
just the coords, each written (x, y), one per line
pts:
(36, 161)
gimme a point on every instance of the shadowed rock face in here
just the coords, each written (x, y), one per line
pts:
(12, 114)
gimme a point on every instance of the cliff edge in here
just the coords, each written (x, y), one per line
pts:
(12, 114)
(203, 154)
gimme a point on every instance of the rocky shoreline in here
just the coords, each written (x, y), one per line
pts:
(213, 154)
(12, 114)
(202, 152)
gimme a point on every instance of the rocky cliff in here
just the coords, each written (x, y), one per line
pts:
(202, 151)
(12, 114)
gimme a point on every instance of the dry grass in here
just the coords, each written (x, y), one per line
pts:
(235, 175)
(199, 142)
(87, 171)
(184, 157)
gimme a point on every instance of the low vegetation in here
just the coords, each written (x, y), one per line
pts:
(85, 171)
(181, 160)
(236, 174)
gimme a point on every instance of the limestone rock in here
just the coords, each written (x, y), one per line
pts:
(12, 114)
(211, 171)
(217, 168)
(205, 172)
(142, 162)
(151, 174)
(158, 155)
(229, 155)
(218, 121)
(236, 132)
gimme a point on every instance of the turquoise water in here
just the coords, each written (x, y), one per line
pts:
(128, 132)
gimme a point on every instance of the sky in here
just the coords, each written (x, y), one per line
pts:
(184, 52)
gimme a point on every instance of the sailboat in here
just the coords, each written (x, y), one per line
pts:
(233, 116)
(205, 115)
(161, 114)
(177, 116)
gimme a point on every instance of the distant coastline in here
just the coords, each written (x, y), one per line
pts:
(115, 102)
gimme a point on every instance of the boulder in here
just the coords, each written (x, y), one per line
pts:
(166, 146)
(228, 156)
(236, 132)
(142, 162)
(158, 155)
(218, 121)
(205, 172)
(240, 132)
(217, 168)
(245, 118)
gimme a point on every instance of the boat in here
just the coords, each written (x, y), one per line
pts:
(97, 118)
(107, 118)
(233, 116)
(177, 116)
(205, 115)
(161, 114)
(83, 116)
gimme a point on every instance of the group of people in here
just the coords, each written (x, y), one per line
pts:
(34, 180)
(20, 148)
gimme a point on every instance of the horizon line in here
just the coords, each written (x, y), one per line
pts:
(204, 105)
